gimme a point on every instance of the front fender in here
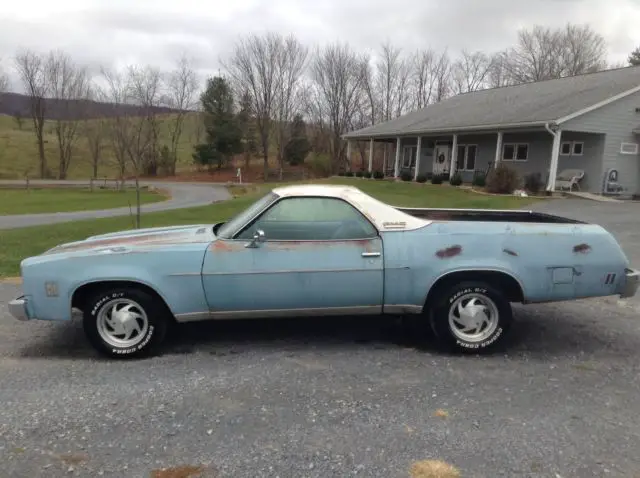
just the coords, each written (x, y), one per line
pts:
(175, 274)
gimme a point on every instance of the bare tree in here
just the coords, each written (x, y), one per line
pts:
(336, 93)
(32, 70)
(583, 50)
(145, 90)
(119, 123)
(253, 67)
(470, 72)
(94, 129)
(4, 81)
(4, 87)
(69, 88)
(543, 53)
(291, 63)
(392, 77)
(499, 71)
(182, 86)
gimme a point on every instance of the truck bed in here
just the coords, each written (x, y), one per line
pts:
(487, 215)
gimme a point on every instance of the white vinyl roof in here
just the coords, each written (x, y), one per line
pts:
(384, 216)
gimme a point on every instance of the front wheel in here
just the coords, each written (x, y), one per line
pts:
(470, 317)
(125, 323)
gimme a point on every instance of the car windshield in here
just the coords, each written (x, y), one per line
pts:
(228, 229)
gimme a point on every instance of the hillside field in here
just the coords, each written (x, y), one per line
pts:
(19, 154)
(19, 150)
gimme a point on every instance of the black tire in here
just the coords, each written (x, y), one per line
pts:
(144, 341)
(489, 298)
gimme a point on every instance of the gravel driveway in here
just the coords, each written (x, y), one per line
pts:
(182, 195)
(327, 398)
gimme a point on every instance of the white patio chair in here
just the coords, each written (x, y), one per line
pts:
(569, 178)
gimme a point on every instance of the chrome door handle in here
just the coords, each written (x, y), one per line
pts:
(370, 254)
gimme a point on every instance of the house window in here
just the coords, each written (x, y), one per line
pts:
(578, 147)
(629, 148)
(571, 148)
(467, 157)
(409, 156)
(515, 152)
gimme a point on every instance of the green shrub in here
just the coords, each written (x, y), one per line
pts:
(436, 179)
(456, 180)
(349, 174)
(422, 178)
(533, 182)
(406, 176)
(367, 174)
(320, 165)
(502, 180)
(341, 173)
(479, 181)
(378, 175)
(359, 174)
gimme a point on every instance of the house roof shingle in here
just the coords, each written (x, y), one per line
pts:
(537, 102)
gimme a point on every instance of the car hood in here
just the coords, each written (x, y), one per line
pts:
(140, 237)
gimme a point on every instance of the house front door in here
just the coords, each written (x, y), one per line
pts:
(441, 159)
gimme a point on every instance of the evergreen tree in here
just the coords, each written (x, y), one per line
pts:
(298, 145)
(634, 57)
(223, 135)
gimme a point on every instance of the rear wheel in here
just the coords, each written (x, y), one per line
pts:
(125, 323)
(470, 317)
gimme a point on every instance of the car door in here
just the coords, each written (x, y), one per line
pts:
(318, 256)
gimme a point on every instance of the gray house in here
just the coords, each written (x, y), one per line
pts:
(587, 126)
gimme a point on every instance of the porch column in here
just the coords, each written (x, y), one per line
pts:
(454, 157)
(555, 153)
(418, 150)
(396, 169)
(349, 154)
(370, 154)
(498, 155)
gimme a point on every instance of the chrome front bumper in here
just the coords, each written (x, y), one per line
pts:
(18, 308)
(632, 281)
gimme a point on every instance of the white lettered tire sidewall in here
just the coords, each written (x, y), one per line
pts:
(440, 317)
(156, 316)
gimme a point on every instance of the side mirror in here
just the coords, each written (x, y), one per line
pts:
(258, 237)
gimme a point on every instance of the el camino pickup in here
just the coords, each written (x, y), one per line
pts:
(324, 250)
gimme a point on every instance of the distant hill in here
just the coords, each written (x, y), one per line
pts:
(15, 104)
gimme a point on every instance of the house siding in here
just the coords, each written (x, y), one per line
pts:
(540, 144)
(616, 121)
(590, 161)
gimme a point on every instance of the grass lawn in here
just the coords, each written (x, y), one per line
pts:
(34, 201)
(16, 244)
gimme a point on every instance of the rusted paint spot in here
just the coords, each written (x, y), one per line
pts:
(450, 251)
(582, 248)
(510, 252)
(185, 471)
(223, 246)
(162, 238)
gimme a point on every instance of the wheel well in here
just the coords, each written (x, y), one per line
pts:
(501, 280)
(86, 291)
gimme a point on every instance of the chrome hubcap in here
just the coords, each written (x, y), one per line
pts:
(473, 317)
(122, 323)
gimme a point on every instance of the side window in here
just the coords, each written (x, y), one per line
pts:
(311, 219)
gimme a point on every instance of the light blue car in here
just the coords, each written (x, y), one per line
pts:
(314, 250)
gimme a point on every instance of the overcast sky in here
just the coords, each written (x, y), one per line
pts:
(118, 32)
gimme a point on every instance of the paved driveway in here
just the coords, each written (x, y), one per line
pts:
(182, 195)
(331, 397)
